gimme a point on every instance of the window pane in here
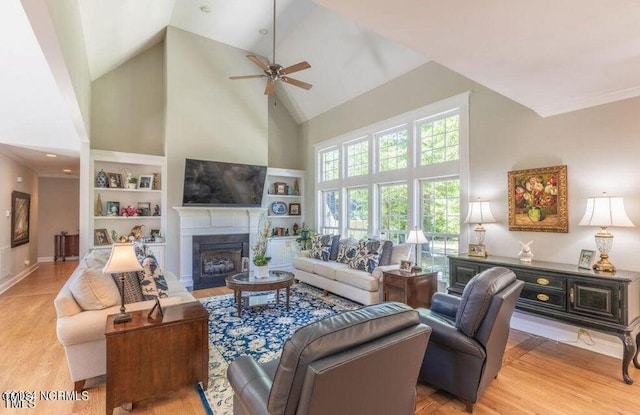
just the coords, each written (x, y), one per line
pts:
(329, 165)
(392, 150)
(358, 212)
(357, 159)
(393, 211)
(439, 140)
(330, 212)
(441, 223)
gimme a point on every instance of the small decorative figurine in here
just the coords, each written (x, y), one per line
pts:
(525, 253)
(136, 232)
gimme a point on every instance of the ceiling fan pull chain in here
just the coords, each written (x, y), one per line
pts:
(274, 32)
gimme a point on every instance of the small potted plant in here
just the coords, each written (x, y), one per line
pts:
(260, 258)
(131, 182)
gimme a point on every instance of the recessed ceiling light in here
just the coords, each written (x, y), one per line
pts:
(263, 31)
(66, 170)
(51, 155)
(205, 9)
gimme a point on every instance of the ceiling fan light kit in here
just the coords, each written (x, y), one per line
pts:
(274, 72)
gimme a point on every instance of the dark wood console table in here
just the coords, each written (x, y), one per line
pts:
(602, 302)
(66, 245)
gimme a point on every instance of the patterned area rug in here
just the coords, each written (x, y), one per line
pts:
(260, 333)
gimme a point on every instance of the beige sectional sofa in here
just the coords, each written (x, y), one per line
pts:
(339, 278)
(82, 307)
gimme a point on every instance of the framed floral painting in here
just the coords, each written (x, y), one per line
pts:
(538, 200)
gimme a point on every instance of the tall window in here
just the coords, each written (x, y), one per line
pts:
(440, 222)
(329, 165)
(393, 211)
(358, 212)
(392, 149)
(439, 138)
(357, 158)
(400, 173)
(330, 212)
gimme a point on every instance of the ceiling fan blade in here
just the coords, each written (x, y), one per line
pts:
(247, 77)
(297, 67)
(295, 82)
(270, 87)
(257, 61)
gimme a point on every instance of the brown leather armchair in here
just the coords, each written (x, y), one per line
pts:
(469, 334)
(363, 361)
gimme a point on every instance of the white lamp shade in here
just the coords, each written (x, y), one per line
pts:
(605, 211)
(123, 259)
(416, 236)
(479, 212)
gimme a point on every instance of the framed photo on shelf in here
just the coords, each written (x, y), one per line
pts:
(477, 250)
(586, 259)
(144, 209)
(113, 208)
(101, 237)
(154, 233)
(115, 180)
(145, 181)
(280, 188)
(294, 209)
(405, 265)
(20, 217)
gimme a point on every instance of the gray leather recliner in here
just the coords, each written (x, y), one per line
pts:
(363, 361)
(470, 334)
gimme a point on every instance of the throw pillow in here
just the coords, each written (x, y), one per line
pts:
(97, 258)
(335, 247)
(152, 281)
(385, 255)
(321, 247)
(132, 290)
(347, 249)
(94, 290)
(367, 256)
(400, 252)
(142, 251)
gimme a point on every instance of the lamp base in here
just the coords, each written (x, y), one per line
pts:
(604, 265)
(122, 317)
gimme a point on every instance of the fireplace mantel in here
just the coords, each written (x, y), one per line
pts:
(207, 220)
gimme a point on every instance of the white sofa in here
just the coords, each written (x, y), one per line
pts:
(338, 278)
(81, 330)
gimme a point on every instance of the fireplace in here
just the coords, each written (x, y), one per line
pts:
(217, 256)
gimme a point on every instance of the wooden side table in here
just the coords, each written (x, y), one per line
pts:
(415, 290)
(147, 357)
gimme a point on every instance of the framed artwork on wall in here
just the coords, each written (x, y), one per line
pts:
(20, 218)
(538, 200)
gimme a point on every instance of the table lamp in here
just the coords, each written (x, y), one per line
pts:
(479, 213)
(605, 211)
(416, 237)
(122, 259)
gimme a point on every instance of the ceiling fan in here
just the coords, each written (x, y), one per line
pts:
(274, 72)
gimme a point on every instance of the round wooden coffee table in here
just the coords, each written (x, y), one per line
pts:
(245, 281)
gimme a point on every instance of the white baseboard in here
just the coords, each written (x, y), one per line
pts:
(11, 281)
(50, 259)
(606, 344)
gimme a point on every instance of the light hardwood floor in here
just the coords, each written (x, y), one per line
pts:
(539, 376)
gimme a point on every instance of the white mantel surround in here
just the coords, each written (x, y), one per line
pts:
(212, 221)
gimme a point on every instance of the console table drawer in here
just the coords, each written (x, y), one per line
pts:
(545, 297)
(543, 280)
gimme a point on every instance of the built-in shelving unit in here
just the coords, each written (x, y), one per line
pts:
(149, 204)
(283, 195)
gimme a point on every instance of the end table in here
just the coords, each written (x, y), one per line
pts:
(413, 289)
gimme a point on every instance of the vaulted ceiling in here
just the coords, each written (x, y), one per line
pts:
(553, 56)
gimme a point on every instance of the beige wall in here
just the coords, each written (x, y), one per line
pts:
(127, 106)
(10, 170)
(598, 145)
(208, 116)
(61, 197)
(284, 137)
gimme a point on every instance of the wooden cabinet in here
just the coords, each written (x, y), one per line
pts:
(148, 198)
(602, 302)
(415, 290)
(148, 357)
(282, 200)
(66, 245)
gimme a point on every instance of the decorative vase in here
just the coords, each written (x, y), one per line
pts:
(535, 214)
(261, 271)
(131, 186)
(102, 180)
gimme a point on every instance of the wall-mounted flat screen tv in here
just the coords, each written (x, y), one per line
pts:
(215, 183)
